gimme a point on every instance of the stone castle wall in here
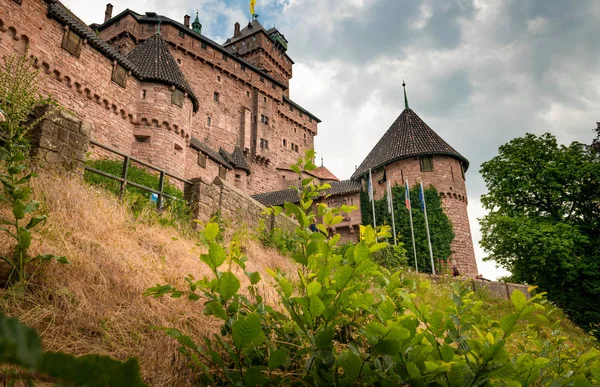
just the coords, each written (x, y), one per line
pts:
(448, 179)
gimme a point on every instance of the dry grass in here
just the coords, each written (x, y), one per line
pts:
(95, 304)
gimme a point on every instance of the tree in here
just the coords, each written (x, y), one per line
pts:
(544, 220)
(439, 225)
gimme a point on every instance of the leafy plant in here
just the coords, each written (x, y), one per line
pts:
(277, 238)
(392, 257)
(439, 224)
(21, 347)
(345, 320)
(18, 98)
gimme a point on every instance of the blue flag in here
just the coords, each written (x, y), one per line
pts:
(422, 198)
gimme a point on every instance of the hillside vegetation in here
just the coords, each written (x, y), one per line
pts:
(95, 304)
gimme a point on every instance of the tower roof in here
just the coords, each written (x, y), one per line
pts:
(154, 62)
(408, 136)
(236, 158)
(323, 173)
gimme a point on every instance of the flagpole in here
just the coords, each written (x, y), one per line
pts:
(412, 230)
(427, 227)
(372, 197)
(391, 208)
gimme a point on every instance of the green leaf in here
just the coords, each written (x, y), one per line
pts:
(518, 299)
(254, 278)
(278, 358)
(286, 287)
(387, 347)
(254, 377)
(229, 284)
(35, 221)
(24, 238)
(413, 371)
(19, 344)
(350, 363)
(386, 309)
(214, 308)
(215, 257)
(324, 338)
(246, 331)
(19, 210)
(361, 252)
(211, 231)
(316, 306)
(313, 288)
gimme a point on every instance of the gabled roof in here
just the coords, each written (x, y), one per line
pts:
(290, 195)
(324, 173)
(252, 28)
(154, 62)
(408, 136)
(210, 152)
(236, 159)
(303, 110)
(152, 17)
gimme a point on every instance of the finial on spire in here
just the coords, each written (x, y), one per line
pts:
(405, 99)
(321, 160)
(158, 30)
(196, 26)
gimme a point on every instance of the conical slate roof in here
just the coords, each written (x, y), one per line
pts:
(408, 136)
(154, 62)
(236, 158)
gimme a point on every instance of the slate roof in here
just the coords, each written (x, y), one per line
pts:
(294, 104)
(210, 152)
(154, 62)
(252, 28)
(277, 198)
(236, 158)
(408, 136)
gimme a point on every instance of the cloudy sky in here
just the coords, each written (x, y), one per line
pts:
(479, 72)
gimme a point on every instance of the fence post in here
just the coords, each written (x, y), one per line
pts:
(161, 186)
(124, 172)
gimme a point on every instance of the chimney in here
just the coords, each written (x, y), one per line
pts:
(108, 12)
(236, 29)
(186, 21)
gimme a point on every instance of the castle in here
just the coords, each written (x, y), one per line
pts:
(159, 90)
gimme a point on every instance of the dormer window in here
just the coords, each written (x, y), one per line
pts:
(177, 97)
(72, 42)
(426, 163)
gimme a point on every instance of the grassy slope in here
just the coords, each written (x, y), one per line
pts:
(96, 303)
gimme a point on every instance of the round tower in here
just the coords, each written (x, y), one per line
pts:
(411, 150)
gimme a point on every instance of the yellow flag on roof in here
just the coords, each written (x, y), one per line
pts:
(252, 4)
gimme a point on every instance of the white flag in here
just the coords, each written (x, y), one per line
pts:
(370, 186)
(389, 197)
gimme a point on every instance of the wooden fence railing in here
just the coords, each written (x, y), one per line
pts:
(127, 159)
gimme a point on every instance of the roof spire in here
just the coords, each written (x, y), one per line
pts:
(321, 160)
(196, 26)
(158, 30)
(405, 99)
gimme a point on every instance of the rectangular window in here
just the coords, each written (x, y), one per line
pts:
(426, 163)
(264, 119)
(177, 97)
(224, 56)
(291, 108)
(309, 119)
(119, 75)
(262, 79)
(247, 94)
(219, 78)
(462, 171)
(142, 138)
(203, 46)
(222, 172)
(285, 143)
(262, 143)
(209, 121)
(144, 93)
(216, 97)
(243, 67)
(202, 159)
(72, 43)
(301, 114)
(273, 85)
(181, 34)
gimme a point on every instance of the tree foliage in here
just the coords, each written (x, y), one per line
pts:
(439, 225)
(544, 220)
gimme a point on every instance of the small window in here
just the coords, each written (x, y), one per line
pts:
(243, 67)
(209, 121)
(202, 159)
(265, 99)
(301, 114)
(426, 163)
(144, 93)
(142, 138)
(238, 176)
(264, 119)
(179, 62)
(119, 75)
(219, 78)
(291, 108)
(177, 97)
(264, 144)
(462, 171)
(72, 43)
(216, 97)
(285, 143)
(273, 85)
(247, 94)
(203, 46)
(309, 119)
(177, 147)
(254, 38)
(224, 56)
(262, 79)
(181, 34)
(222, 172)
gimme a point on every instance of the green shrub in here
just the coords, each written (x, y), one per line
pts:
(392, 257)
(345, 320)
(174, 212)
(284, 242)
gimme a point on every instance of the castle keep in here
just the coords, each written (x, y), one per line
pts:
(159, 90)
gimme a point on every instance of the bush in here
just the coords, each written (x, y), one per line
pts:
(392, 257)
(174, 212)
(345, 320)
(277, 238)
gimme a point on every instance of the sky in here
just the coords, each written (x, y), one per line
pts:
(478, 72)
